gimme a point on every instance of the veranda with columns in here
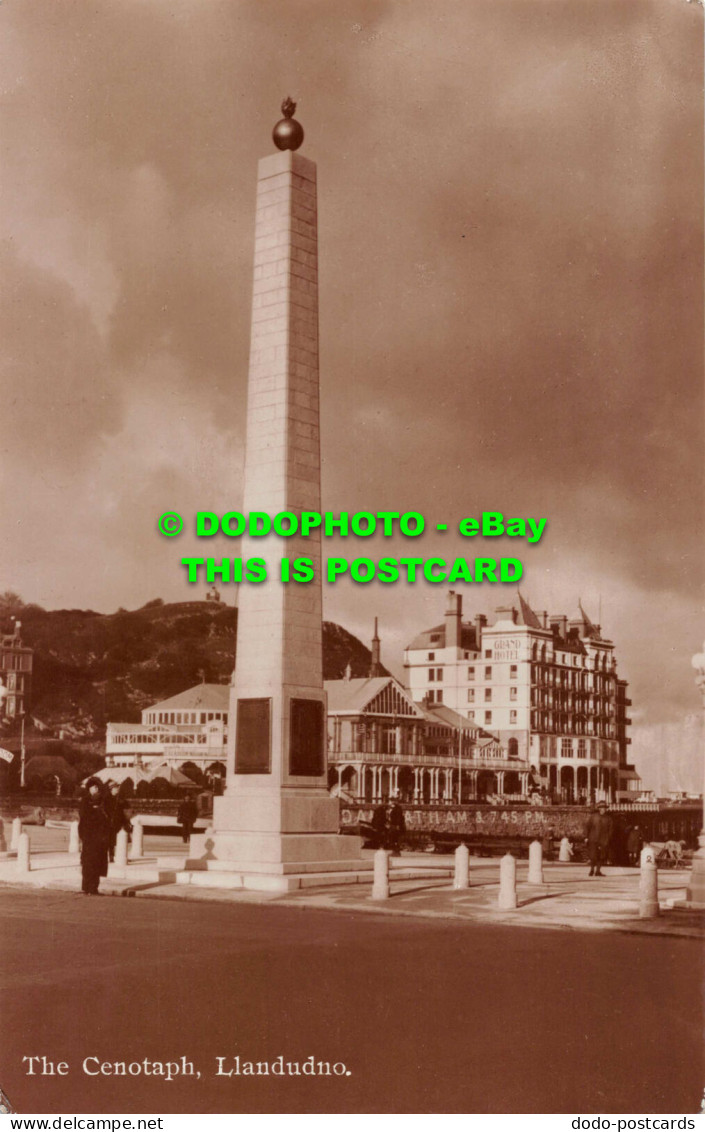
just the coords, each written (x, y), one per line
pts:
(382, 745)
(377, 781)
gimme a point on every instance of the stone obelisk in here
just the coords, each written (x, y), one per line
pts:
(276, 816)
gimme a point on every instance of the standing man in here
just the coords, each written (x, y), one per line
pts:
(94, 832)
(378, 826)
(186, 817)
(397, 827)
(635, 843)
(599, 833)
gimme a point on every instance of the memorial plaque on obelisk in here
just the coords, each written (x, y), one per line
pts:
(276, 815)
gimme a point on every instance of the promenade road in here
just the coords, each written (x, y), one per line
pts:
(427, 1015)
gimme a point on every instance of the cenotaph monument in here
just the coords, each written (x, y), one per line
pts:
(276, 819)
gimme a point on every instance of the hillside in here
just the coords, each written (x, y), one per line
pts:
(90, 668)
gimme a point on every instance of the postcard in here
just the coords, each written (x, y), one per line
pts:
(350, 582)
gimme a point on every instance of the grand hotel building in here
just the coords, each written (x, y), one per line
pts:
(545, 685)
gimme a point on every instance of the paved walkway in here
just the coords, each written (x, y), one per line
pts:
(568, 898)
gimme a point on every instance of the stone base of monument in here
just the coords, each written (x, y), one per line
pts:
(272, 862)
(273, 841)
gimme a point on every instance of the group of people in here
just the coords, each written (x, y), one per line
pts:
(103, 812)
(388, 827)
(601, 836)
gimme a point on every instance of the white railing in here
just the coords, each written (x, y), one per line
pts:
(493, 762)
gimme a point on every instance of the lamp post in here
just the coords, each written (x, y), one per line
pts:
(696, 888)
(22, 753)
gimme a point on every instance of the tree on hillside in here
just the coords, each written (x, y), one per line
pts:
(12, 605)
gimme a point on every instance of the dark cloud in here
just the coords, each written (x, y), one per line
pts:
(56, 396)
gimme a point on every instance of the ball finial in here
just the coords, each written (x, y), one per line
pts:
(288, 133)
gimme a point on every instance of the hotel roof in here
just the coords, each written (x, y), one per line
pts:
(206, 697)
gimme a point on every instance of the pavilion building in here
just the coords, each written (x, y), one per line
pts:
(184, 731)
(382, 744)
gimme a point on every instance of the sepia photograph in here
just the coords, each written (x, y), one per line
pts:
(352, 672)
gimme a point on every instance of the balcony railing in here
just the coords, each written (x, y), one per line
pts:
(469, 762)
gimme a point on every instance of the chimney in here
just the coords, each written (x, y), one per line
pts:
(543, 618)
(375, 662)
(480, 622)
(454, 617)
(506, 613)
(559, 625)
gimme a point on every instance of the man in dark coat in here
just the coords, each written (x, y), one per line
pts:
(94, 832)
(635, 844)
(186, 817)
(397, 827)
(378, 827)
(599, 833)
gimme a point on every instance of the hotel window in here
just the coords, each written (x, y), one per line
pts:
(513, 670)
(471, 695)
(512, 693)
(566, 748)
(432, 674)
(488, 695)
(432, 656)
(488, 717)
(582, 749)
(471, 672)
(488, 672)
(471, 715)
(488, 654)
(512, 717)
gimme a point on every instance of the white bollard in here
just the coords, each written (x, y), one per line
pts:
(74, 842)
(16, 831)
(564, 853)
(461, 876)
(507, 883)
(136, 848)
(648, 884)
(536, 863)
(24, 863)
(121, 849)
(380, 885)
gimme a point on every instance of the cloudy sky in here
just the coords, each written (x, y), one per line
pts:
(511, 301)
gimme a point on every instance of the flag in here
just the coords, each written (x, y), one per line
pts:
(6, 755)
